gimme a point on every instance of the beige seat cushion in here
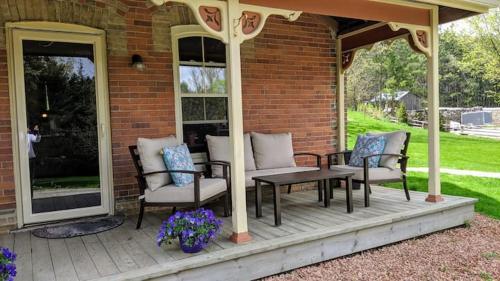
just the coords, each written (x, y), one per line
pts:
(250, 174)
(273, 150)
(380, 173)
(218, 148)
(394, 142)
(174, 194)
(152, 160)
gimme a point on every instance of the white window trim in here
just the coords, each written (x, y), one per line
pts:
(178, 32)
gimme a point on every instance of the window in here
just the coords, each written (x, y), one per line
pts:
(201, 92)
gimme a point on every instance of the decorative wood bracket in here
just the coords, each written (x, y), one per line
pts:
(347, 59)
(212, 14)
(253, 19)
(420, 36)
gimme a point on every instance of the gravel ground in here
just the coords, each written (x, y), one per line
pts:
(465, 253)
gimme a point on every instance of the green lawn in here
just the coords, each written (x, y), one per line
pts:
(487, 190)
(457, 152)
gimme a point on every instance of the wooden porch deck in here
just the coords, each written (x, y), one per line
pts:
(309, 234)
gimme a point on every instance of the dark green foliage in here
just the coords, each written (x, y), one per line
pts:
(469, 67)
(401, 114)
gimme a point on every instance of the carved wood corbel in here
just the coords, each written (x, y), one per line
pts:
(212, 14)
(420, 36)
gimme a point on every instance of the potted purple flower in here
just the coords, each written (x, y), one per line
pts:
(7, 266)
(194, 229)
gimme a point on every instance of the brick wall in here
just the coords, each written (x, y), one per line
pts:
(288, 79)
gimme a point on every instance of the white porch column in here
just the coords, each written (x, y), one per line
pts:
(340, 98)
(239, 211)
(434, 188)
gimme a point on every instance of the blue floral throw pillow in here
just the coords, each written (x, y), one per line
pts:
(365, 146)
(179, 158)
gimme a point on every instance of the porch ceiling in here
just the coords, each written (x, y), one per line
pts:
(355, 15)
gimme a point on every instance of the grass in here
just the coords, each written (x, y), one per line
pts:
(457, 152)
(67, 182)
(487, 190)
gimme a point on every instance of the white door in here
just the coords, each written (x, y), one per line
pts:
(62, 123)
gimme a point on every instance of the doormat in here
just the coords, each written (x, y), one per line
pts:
(80, 228)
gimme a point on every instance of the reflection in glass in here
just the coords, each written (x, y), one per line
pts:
(61, 112)
(216, 108)
(194, 134)
(190, 49)
(215, 50)
(202, 80)
(193, 109)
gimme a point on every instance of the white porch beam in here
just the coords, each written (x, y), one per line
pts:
(341, 141)
(238, 192)
(434, 187)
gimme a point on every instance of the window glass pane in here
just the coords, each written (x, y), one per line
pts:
(216, 108)
(215, 50)
(192, 80)
(215, 78)
(190, 49)
(201, 80)
(192, 109)
(194, 134)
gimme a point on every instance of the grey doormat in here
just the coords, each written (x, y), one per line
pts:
(80, 228)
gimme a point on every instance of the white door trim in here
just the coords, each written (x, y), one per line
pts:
(63, 33)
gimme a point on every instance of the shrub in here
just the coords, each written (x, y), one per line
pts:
(401, 114)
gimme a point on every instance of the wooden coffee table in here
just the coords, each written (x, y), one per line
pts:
(322, 176)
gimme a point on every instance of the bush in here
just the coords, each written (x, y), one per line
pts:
(371, 110)
(401, 114)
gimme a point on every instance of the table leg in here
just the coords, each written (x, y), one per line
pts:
(320, 191)
(327, 193)
(277, 207)
(348, 190)
(332, 184)
(258, 199)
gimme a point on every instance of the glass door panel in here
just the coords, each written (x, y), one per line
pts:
(63, 148)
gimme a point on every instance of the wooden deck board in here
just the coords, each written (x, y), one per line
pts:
(97, 252)
(125, 252)
(61, 260)
(22, 247)
(84, 266)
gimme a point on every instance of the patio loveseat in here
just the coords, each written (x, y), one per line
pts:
(265, 154)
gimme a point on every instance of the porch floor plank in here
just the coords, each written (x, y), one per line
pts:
(22, 247)
(115, 250)
(97, 252)
(42, 260)
(61, 260)
(84, 266)
(127, 253)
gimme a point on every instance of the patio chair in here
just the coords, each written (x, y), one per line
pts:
(203, 190)
(387, 170)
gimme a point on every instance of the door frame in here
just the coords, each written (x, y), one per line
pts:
(61, 32)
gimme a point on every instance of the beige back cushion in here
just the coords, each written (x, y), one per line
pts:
(218, 148)
(152, 160)
(394, 142)
(273, 150)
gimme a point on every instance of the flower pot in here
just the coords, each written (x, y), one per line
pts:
(191, 249)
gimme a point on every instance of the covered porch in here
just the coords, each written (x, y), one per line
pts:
(250, 247)
(354, 25)
(309, 234)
